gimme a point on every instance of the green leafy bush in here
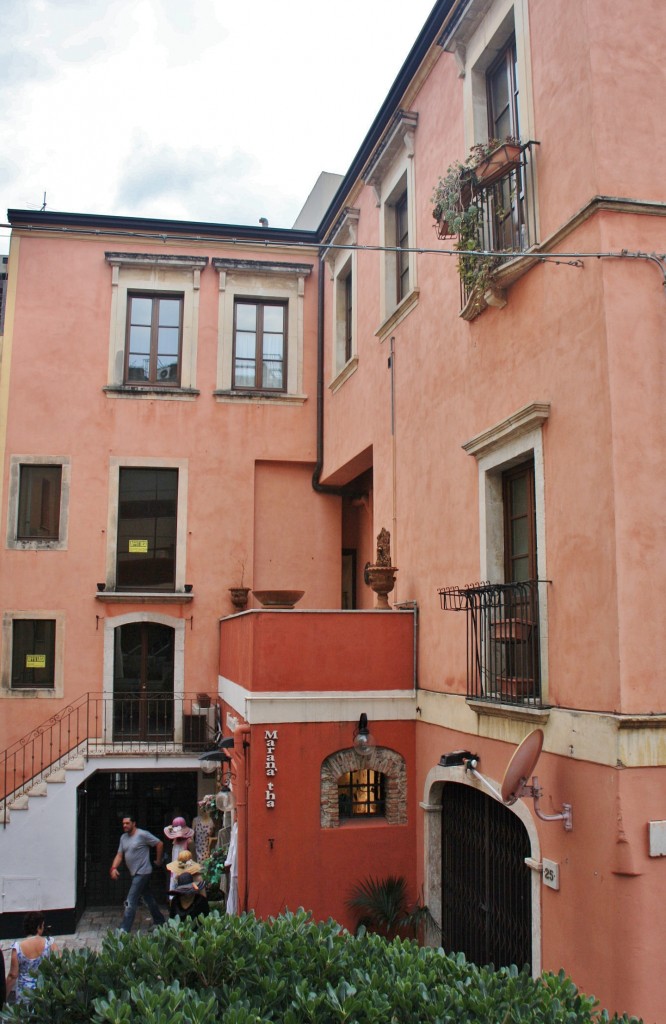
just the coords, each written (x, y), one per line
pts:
(291, 970)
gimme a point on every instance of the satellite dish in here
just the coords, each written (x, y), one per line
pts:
(521, 766)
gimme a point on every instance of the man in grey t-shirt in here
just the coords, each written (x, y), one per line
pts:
(134, 849)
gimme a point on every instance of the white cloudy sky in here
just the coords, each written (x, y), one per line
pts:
(215, 110)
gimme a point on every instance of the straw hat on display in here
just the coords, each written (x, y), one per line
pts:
(178, 829)
(182, 863)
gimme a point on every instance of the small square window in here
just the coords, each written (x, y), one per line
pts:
(39, 502)
(362, 794)
(33, 654)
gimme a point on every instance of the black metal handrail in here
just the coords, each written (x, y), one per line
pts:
(503, 648)
(96, 725)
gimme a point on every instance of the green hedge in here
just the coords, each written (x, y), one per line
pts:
(240, 970)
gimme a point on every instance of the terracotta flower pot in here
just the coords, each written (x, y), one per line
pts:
(497, 164)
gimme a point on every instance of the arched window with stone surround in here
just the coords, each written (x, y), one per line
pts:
(385, 766)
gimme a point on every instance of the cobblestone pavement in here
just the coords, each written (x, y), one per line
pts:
(91, 929)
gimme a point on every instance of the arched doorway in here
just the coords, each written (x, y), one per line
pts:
(486, 884)
(143, 676)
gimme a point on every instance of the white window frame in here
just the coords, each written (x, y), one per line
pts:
(58, 689)
(34, 544)
(341, 260)
(152, 274)
(178, 626)
(506, 444)
(262, 281)
(390, 172)
(137, 462)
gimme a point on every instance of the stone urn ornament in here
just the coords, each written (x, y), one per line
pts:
(380, 575)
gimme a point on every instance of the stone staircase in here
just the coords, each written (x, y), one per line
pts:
(58, 776)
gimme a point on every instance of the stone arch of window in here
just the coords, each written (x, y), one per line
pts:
(380, 759)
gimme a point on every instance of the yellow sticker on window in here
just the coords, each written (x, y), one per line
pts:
(35, 661)
(138, 547)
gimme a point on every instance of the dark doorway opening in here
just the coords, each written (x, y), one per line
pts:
(486, 885)
(153, 798)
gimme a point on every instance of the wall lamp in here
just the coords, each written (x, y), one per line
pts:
(364, 741)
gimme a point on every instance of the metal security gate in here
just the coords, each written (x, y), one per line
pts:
(486, 885)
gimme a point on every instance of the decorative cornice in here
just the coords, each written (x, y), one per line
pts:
(261, 267)
(163, 260)
(525, 419)
(399, 136)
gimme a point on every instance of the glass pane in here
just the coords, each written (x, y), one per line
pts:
(244, 376)
(138, 367)
(519, 495)
(167, 341)
(169, 313)
(142, 310)
(245, 345)
(272, 375)
(274, 318)
(246, 317)
(273, 346)
(521, 569)
(499, 90)
(39, 502)
(33, 652)
(520, 536)
(139, 339)
(147, 528)
(167, 369)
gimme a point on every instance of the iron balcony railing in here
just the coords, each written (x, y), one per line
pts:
(503, 651)
(506, 217)
(95, 725)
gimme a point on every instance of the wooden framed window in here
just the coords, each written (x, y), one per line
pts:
(260, 352)
(520, 549)
(39, 502)
(362, 794)
(502, 94)
(33, 654)
(147, 524)
(154, 339)
(402, 242)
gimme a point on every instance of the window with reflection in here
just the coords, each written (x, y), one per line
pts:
(362, 794)
(154, 339)
(33, 654)
(39, 502)
(147, 523)
(260, 331)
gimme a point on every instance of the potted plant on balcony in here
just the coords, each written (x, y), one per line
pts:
(451, 200)
(494, 159)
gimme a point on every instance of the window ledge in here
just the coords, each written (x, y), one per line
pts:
(30, 693)
(37, 545)
(345, 373)
(258, 397)
(143, 597)
(149, 391)
(514, 712)
(398, 314)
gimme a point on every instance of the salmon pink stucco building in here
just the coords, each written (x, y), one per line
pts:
(360, 507)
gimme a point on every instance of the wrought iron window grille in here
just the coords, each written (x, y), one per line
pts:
(503, 650)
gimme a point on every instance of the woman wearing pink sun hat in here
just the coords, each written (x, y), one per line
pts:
(180, 835)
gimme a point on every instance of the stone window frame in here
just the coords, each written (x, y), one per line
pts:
(263, 281)
(509, 443)
(34, 544)
(178, 625)
(391, 174)
(116, 463)
(50, 693)
(153, 274)
(476, 38)
(381, 759)
(342, 262)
